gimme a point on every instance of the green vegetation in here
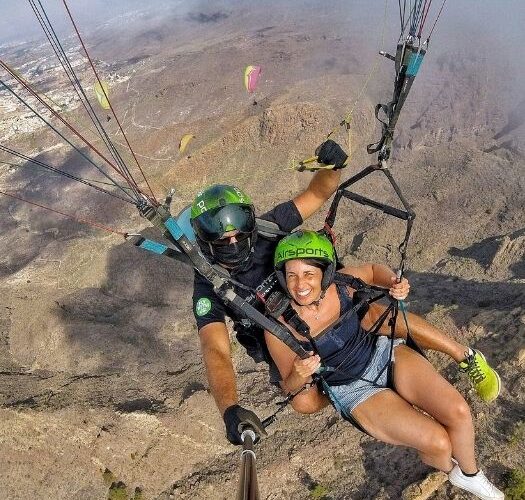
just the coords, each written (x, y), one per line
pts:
(138, 494)
(518, 434)
(515, 489)
(117, 491)
(234, 346)
(319, 492)
(108, 477)
(442, 309)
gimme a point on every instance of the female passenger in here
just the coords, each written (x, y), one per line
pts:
(354, 365)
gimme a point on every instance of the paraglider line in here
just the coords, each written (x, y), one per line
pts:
(424, 17)
(57, 115)
(77, 86)
(112, 110)
(81, 220)
(62, 172)
(63, 137)
(435, 22)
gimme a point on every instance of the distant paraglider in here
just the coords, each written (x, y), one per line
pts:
(185, 140)
(102, 92)
(252, 75)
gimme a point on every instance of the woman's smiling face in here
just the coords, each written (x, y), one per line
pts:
(303, 281)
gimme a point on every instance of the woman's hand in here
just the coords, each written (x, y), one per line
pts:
(304, 368)
(399, 291)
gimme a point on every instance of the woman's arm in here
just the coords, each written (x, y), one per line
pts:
(296, 373)
(380, 275)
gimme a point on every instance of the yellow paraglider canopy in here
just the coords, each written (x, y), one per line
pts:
(185, 140)
(101, 91)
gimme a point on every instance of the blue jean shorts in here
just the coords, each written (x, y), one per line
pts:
(349, 396)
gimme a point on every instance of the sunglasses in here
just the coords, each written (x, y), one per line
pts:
(226, 241)
(212, 224)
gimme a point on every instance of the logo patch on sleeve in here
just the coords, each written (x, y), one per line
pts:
(203, 306)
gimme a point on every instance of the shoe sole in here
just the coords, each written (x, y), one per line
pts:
(499, 387)
(464, 488)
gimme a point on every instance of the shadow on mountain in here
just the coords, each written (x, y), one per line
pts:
(203, 18)
(507, 145)
(508, 249)
(29, 229)
(404, 468)
(494, 306)
(449, 291)
(518, 269)
(120, 322)
(419, 121)
(130, 344)
(516, 119)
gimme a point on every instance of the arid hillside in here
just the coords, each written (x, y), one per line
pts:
(102, 387)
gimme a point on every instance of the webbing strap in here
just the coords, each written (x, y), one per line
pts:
(410, 340)
(160, 217)
(269, 229)
(291, 317)
(408, 60)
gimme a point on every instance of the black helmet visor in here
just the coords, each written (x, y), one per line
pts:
(212, 224)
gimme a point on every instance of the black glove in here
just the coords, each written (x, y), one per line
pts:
(236, 419)
(330, 153)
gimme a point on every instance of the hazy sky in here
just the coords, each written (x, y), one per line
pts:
(477, 21)
(18, 22)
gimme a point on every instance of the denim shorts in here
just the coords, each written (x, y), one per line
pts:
(349, 396)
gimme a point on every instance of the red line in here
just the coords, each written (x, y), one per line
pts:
(77, 219)
(56, 114)
(112, 110)
(424, 17)
(435, 22)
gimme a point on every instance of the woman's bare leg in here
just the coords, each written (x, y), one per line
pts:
(417, 382)
(389, 418)
(425, 334)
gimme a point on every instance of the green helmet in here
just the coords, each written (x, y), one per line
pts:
(217, 210)
(216, 196)
(305, 245)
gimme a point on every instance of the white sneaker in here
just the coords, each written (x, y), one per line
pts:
(478, 485)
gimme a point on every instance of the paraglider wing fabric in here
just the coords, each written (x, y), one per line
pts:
(185, 140)
(251, 77)
(101, 91)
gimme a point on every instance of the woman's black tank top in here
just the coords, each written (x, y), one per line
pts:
(346, 349)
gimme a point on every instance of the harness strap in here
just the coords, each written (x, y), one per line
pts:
(291, 317)
(161, 218)
(356, 283)
(410, 340)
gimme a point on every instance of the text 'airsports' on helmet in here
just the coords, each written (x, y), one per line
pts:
(305, 245)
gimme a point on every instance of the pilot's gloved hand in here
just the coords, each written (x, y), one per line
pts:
(236, 419)
(330, 153)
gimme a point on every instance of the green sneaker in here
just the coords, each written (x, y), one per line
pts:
(484, 378)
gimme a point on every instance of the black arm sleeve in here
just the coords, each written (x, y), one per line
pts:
(285, 215)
